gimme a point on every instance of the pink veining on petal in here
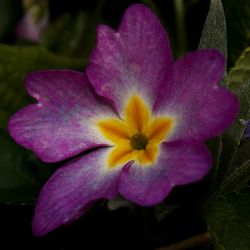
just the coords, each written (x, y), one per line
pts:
(72, 189)
(178, 163)
(59, 125)
(134, 58)
(192, 94)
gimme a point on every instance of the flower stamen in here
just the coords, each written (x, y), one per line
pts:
(139, 141)
(138, 136)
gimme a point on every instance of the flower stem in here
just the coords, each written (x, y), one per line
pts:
(191, 242)
(180, 25)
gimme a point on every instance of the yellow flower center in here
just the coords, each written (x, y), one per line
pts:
(137, 137)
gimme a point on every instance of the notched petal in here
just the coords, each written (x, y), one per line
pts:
(59, 126)
(135, 57)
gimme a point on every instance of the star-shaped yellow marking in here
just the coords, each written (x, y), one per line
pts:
(137, 137)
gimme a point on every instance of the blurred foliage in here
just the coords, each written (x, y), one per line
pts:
(10, 13)
(73, 34)
(22, 175)
(15, 63)
(65, 34)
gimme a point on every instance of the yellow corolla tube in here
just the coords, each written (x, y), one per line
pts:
(137, 137)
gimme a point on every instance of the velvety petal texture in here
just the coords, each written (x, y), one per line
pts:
(61, 123)
(72, 189)
(133, 59)
(191, 93)
(152, 115)
(178, 163)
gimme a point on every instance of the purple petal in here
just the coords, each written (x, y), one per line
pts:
(72, 189)
(133, 59)
(60, 124)
(191, 94)
(178, 163)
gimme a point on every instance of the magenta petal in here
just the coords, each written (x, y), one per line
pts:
(133, 59)
(72, 189)
(59, 125)
(188, 161)
(178, 163)
(191, 94)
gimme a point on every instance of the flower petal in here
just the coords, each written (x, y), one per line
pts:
(137, 115)
(61, 124)
(178, 163)
(191, 94)
(72, 189)
(133, 59)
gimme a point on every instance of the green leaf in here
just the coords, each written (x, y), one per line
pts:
(240, 73)
(215, 147)
(21, 175)
(214, 34)
(236, 131)
(241, 156)
(229, 221)
(15, 64)
(239, 167)
(237, 180)
(232, 137)
(238, 26)
(228, 216)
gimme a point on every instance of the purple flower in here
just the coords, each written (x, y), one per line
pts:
(144, 117)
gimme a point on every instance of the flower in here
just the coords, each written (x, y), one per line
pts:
(144, 117)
